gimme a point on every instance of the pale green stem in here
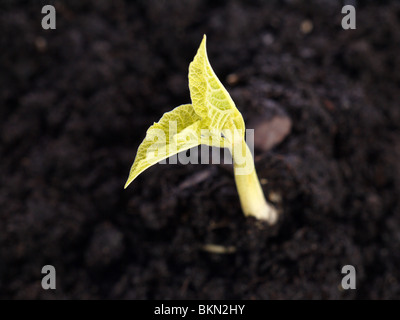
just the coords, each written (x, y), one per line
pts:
(250, 192)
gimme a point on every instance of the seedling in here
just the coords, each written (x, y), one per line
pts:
(212, 119)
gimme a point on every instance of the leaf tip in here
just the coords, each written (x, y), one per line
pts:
(203, 42)
(127, 183)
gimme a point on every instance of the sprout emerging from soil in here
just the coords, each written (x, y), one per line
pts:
(212, 119)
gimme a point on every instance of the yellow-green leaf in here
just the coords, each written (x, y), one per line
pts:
(177, 130)
(212, 109)
(210, 99)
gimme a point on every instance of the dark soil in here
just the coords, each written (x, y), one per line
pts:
(76, 103)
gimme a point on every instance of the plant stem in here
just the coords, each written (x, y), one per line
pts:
(250, 192)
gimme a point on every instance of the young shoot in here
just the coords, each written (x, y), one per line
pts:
(212, 119)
